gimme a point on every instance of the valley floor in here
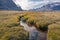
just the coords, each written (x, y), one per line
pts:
(10, 28)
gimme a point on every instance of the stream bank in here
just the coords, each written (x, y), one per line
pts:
(34, 34)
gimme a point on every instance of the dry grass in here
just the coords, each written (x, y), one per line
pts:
(10, 28)
(44, 20)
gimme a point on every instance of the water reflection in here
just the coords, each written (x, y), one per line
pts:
(34, 34)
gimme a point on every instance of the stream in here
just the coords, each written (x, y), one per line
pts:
(34, 34)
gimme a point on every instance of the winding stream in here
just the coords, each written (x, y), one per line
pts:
(34, 34)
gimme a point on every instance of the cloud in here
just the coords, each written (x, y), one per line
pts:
(30, 4)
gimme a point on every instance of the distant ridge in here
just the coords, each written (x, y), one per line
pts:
(8, 5)
(49, 7)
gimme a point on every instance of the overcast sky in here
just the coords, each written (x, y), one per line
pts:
(30, 4)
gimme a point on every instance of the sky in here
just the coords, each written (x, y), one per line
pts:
(32, 4)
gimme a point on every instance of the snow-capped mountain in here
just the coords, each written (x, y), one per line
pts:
(49, 7)
(8, 5)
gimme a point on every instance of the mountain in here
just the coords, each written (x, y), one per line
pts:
(49, 7)
(8, 5)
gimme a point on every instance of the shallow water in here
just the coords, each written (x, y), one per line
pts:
(34, 34)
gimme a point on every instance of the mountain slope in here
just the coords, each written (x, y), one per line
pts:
(8, 5)
(49, 7)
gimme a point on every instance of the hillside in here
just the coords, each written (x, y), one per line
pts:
(8, 5)
(49, 7)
